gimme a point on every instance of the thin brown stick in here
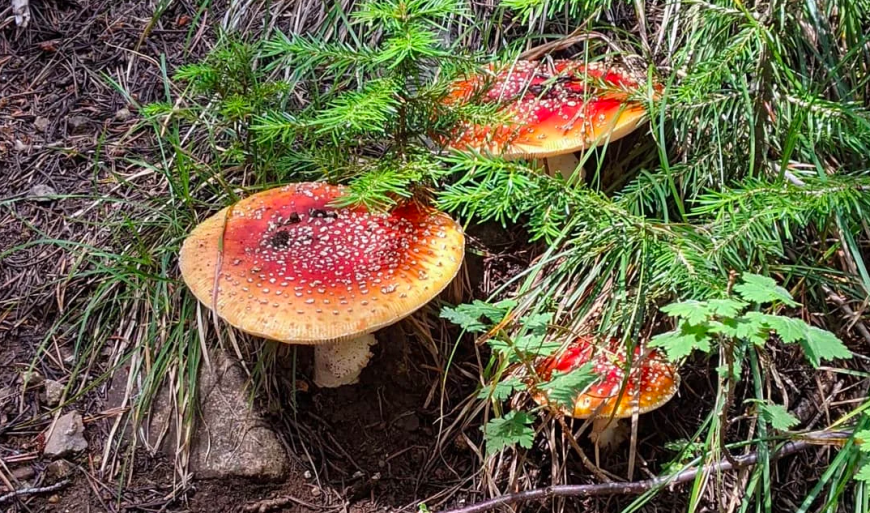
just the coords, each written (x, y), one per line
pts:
(856, 320)
(632, 488)
(32, 491)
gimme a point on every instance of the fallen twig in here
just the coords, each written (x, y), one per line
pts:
(632, 488)
(269, 504)
(33, 491)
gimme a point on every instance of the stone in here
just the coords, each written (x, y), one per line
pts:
(123, 114)
(40, 191)
(77, 124)
(23, 473)
(31, 379)
(41, 123)
(408, 423)
(67, 437)
(230, 438)
(53, 392)
(59, 469)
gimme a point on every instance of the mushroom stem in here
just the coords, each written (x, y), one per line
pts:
(563, 165)
(606, 432)
(340, 363)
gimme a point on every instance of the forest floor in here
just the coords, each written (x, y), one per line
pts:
(66, 131)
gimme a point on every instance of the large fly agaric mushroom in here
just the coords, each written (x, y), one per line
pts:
(290, 267)
(554, 110)
(651, 383)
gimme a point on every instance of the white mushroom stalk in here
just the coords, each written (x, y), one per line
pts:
(341, 363)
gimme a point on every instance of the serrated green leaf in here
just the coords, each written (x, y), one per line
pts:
(529, 345)
(819, 344)
(501, 390)
(744, 328)
(499, 345)
(752, 330)
(464, 318)
(778, 416)
(695, 312)
(538, 323)
(762, 289)
(532, 344)
(864, 473)
(513, 428)
(789, 330)
(468, 316)
(495, 312)
(563, 388)
(725, 307)
(863, 440)
(682, 341)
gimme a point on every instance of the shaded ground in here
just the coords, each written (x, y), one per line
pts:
(373, 447)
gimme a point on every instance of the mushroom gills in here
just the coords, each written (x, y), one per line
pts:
(340, 363)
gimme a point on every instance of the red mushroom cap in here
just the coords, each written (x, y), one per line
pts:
(292, 268)
(653, 380)
(555, 109)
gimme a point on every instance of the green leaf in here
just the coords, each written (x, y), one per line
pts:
(863, 440)
(682, 341)
(526, 345)
(513, 428)
(762, 289)
(745, 328)
(468, 315)
(725, 307)
(464, 317)
(789, 330)
(695, 312)
(819, 344)
(538, 323)
(564, 387)
(864, 473)
(778, 416)
(532, 344)
(501, 390)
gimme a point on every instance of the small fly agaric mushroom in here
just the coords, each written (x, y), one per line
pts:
(290, 267)
(650, 384)
(555, 110)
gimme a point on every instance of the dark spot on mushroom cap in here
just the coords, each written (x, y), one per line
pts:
(280, 240)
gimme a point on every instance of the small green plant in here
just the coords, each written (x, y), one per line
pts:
(524, 348)
(701, 323)
(863, 440)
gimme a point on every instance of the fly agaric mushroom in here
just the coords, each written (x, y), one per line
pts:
(652, 382)
(554, 110)
(290, 267)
